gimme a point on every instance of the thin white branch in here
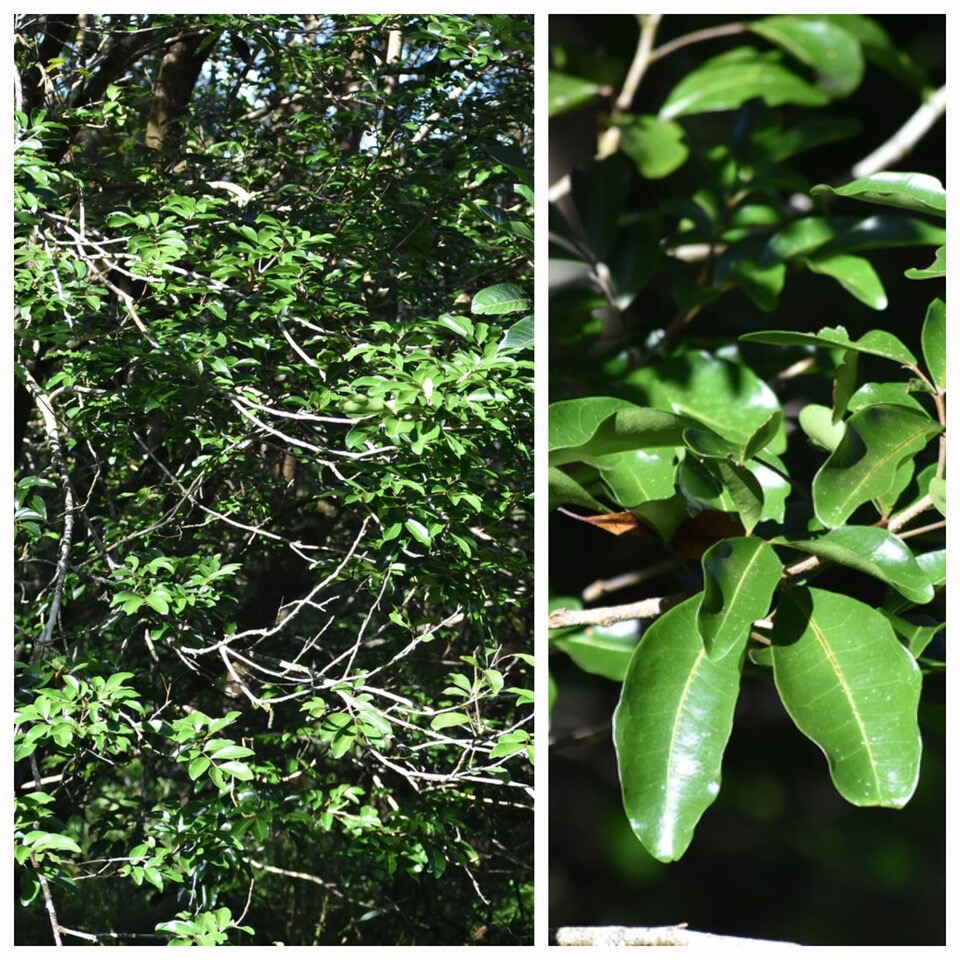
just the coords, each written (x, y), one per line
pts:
(906, 138)
(675, 936)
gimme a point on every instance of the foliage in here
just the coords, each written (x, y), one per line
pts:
(794, 471)
(273, 529)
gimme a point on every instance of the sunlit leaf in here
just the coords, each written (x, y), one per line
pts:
(739, 579)
(875, 551)
(671, 728)
(853, 689)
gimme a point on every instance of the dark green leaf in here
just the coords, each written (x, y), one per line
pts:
(731, 79)
(655, 145)
(739, 579)
(567, 93)
(864, 465)
(671, 728)
(874, 551)
(909, 191)
(853, 689)
(879, 343)
(830, 50)
(629, 427)
(855, 274)
(934, 338)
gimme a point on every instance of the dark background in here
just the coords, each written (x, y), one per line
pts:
(780, 855)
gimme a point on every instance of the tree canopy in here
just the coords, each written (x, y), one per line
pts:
(273, 432)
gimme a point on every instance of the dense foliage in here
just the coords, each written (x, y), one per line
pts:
(273, 478)
(773, 456)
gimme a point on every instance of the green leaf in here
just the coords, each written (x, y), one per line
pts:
(726, 396)
(855, 274)
(864, 465)
(566, 92)
(518, 337)
(418, 531)
(564, 489)
(500, 298)
(918, 192)
(878, 343)
(818, 424)
(831, 51)
(636, 476)
(853, 689)
(571, 423)
(744, 489)
(236, 769)
(198, 766)
(731, 79)
(670, 730)
(444, 720)
(874, 551)
(655, 145)
(599, 192)
(601, 650)
(580, 430)
(938, 494)
(160, 601)
(740, 576)
(934, 339)
(936, 270)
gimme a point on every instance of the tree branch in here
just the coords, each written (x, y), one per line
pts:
(675, 936)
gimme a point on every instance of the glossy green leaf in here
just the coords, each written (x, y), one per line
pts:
(726, 396)
(729, 80)
(762, 284)
(831, 51)
(936, 271)
(706, 444)
(763, 435)
(852, 688)
(918, 636)
(855, 274)
(864, 465)
(571, 423)
(934, 338)
(878, 343)
(897, 393)
(566, 92)
(629, 427)
(603, 651)
(655, 145)
(818, 424)
(918, 192)
(500, 298)
(599, 192)
(633, 257)
(938, 494)
(518, 337)
(418, 531)
(875, 551)
(740, 576)
(744, 490)
(670, 730)
(776, 488)
(635, 476)
(564, 489)
(883, 232)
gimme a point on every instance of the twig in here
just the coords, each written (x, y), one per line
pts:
(604, 616)
(594, 591)
(66, 539)
(675, 936)
(610, 141)
(906, 138)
